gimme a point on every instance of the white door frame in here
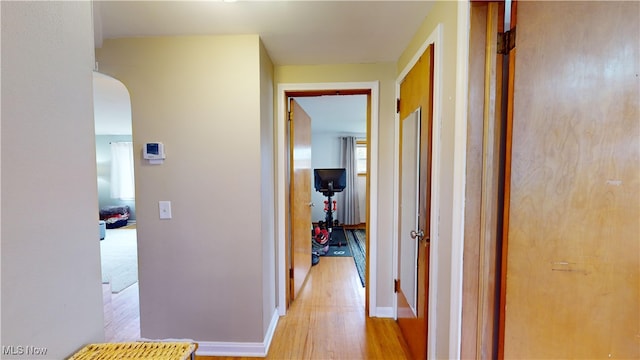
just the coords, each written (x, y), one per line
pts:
(455, 271)
(436, 38)
(281, 171)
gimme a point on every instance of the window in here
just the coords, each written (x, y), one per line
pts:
(361, 157)
(122, 179)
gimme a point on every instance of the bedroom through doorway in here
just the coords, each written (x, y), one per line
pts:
(298, 264)
(339, 141)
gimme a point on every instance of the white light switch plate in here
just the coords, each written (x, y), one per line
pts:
(165, 209)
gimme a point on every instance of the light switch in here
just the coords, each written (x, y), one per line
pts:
(165, 209)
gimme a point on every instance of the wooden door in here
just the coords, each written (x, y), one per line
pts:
(300, 196)
(416, 108)
(484, 187)
(573, 201)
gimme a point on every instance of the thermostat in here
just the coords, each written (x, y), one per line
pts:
(153, 151)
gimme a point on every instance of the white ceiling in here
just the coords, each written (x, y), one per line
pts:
(301, 32)
(293, 32)
(336, 113)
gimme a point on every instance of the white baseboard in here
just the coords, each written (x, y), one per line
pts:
(211, 348)
(384, 312)
(271, 330)
(248, 349)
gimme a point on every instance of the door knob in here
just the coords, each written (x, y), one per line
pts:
(416, 234)
(311, 204)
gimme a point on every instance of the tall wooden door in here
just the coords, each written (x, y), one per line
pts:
(573, 201)
(416, 104)
(300, 196)
(484, 189)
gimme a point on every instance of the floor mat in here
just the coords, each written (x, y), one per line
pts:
(338, 245)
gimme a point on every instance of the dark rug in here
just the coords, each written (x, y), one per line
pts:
(338, 245)
(357, 243)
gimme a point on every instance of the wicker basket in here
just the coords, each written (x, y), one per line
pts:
(137, 351)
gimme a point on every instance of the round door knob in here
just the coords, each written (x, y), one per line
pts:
(416, 234)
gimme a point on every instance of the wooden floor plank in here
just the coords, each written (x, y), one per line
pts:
(327, 321)
(121, 314)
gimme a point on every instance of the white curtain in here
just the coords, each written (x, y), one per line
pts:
(122, 180)
(349, 212)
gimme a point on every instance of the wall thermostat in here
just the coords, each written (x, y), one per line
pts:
(153, 151)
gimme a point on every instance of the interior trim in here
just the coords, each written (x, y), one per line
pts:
(235, 349)
(281, 263)
(459, 179)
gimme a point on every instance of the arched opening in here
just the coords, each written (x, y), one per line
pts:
(117, 210)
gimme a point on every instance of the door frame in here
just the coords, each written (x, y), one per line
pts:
(459, 177)
(281, 186)
(435, 38)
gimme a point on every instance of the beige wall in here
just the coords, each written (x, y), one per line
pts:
(51, 283)
(203, 274)
(385, 74)
(268, 187)
(209, 99)
(445, 13)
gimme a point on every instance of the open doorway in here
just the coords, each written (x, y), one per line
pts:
(339, 141)
(285, 92)
(117, 210)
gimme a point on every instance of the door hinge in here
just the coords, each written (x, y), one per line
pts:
(290, 117)
(398, 106)
(291, 273)
(506, 41)
(396, 285)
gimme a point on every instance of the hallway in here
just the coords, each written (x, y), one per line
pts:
(328, 321)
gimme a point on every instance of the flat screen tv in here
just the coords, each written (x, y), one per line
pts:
(330, 180)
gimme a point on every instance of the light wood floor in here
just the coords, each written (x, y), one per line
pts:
(327, 321)
(121, 314)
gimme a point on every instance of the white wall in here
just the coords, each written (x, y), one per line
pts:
(325, 153)
(207, 273)
(51, 283)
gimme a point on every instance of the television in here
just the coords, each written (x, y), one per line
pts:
(329, 181)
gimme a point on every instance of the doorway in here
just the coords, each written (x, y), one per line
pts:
(117, 211)
(286, 91)
(338, 141)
